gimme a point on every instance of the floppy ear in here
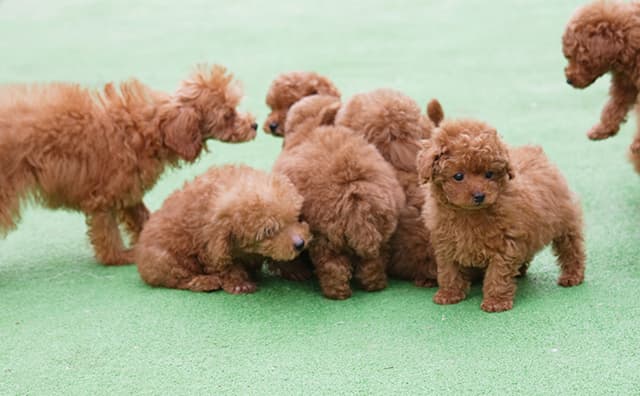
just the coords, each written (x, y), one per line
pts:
(182, 133)
(427, 161)
(328, 114)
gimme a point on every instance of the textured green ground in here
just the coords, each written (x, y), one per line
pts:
(70, 326)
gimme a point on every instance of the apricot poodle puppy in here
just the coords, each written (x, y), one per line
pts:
(287, 89)
(351, 196)
(602, 37)
(98, 152)
(393, 123)
(491, 208)
(217, 231)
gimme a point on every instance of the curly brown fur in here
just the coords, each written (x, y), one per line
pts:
(351, 197)
(287, 89)
(601, 37)
(393, 123)
(217, 231)
(493, 208)
(98, 152)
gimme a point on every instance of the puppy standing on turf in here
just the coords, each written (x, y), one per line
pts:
(393, 123)
(217, 231)
(73, 148)
(601, 37)
(351, 196)
(287, 89)
(492, 209)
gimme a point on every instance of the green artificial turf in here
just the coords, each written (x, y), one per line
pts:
(70, 326)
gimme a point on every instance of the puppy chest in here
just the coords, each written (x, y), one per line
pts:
(472, 247)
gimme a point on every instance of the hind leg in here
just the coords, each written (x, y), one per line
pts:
(134, 218)
(106, 240)
(569, 248)
(333, 271)
(371, 273)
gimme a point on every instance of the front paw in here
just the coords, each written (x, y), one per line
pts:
(244, 287)
(496, 305)
(570, 279)
(600, 132)
(446, 297)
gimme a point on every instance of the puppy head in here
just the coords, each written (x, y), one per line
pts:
(596, 40)
(466, 164)
(311, 112)
(262, 213)
(287, 89)
(389, 120)
(203, 107)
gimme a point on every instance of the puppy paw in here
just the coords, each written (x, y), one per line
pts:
(121, 258)
(241, 288)
(600, 132)
(635, 147)
(424, 282)
(570, 279)
(496, 305)
(375, 285)
(204, 283)
(446, 297)
(337, 294)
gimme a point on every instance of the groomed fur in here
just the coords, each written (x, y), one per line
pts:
(604, 36)
(287, 89)
(492, 209)
(351, 197)
(217, 231)
(393, 123)
(98, 152)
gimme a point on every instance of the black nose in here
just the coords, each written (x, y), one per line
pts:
(569, 81)
(298, 244)
(273, 126)
(254, 126)
(478, 198)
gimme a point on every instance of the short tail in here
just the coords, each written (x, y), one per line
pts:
(435, 112)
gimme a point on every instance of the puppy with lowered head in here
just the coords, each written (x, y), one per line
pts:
(219, 229)
(491, 208)
(351, 196)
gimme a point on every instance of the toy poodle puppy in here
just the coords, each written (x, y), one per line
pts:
(351, 196)
(217, 231)
(287, 89)
(492, 208)
(98, 152)
(601, 37)
(393, 123)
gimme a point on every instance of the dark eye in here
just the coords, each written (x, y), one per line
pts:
(458, 176)
(489, 175)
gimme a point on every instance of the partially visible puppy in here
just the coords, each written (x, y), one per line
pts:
(602, 37)
(493, 208)
(393, 123)
(351, 196)
(287, 89)
(99, 152)
(217, 231)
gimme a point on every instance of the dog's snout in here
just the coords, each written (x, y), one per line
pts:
(569, 81)
(273, 126)
(298, 243)
(478, 198)
(254, 126)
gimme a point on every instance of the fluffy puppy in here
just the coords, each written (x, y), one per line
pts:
(601, 37)
(491, 208)
(217, 231)
(393, 123)
(287, 89)
(98, 152)
(351, 196)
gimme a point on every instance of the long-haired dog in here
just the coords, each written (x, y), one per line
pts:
(287, 89)
(218, 229)
(604, 36)
(351, 196)
(98, 152)
(393, 123)
(491, 208)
